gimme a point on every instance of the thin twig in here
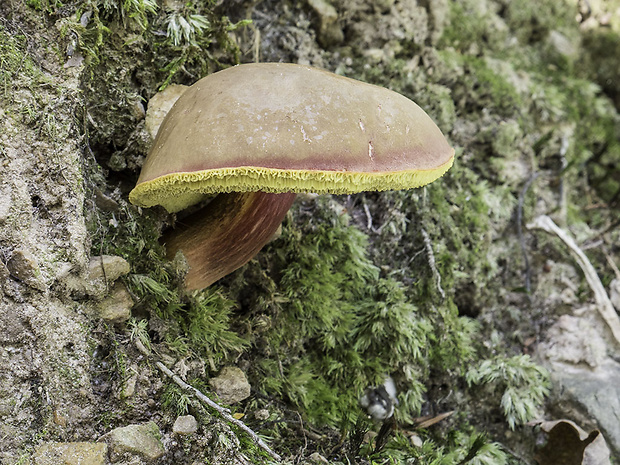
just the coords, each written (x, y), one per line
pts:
(603, 303)
(528, 270)
(431, 261)
(368, 217)
(222, 411)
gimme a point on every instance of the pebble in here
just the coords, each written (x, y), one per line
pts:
(24, 267)
(116, 308)
(231, 385)
(185, 425)
(135, 440)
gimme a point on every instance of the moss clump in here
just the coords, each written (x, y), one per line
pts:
(473, 25)
(336, 327)
(13, 63)
(601, 62)
(478, 83)
(531, 21)
(523, 385)
(465, 446)
(203, 319)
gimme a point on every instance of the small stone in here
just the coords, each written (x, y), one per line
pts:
(107, 267)
(23, 266)
(129, 386)
(137, 108)
(159, 106)
(185, 425)
(329, 32)
(116, 308)
(231, 385)
(261, 414)
(71, 453)
(5, 206)
(416, 441)
(103, 270)
(141, 440)
(575, 341)
(315, 457)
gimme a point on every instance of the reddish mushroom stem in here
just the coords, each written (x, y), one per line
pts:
(226, 234)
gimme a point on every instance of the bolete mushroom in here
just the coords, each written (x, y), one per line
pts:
(256, 134)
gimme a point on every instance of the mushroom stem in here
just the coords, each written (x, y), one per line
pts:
(226, 234)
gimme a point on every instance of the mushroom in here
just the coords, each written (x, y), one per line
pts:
(256, 134)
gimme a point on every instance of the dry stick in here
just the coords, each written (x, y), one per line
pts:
(603, 304)
(223, 411)
(431, 261)
(368, 217)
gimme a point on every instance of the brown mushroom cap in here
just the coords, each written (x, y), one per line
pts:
(289, 128)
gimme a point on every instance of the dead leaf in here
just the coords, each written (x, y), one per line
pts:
(568, 444)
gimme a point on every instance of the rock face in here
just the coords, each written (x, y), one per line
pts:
(231, 385)
(44, 334)
(586, 380)
(142, 441)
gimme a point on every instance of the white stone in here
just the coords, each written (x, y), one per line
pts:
(185, 425)
(231, 385)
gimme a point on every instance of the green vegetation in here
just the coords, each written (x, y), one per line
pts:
(174, 399)
(336, 327)
(460, 447)
(12, 62)
(523, 383)
(139, 332)
(191, 29)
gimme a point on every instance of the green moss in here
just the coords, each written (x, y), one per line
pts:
(523, 385)
(48, 6)
(601, 62)
(466, 446)
(473, 25)
(18, 71)
(532, 21)
(11, 61)
(337, 327)
(480, 83)
(203, 318)
(175, 399)
(587, 123)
